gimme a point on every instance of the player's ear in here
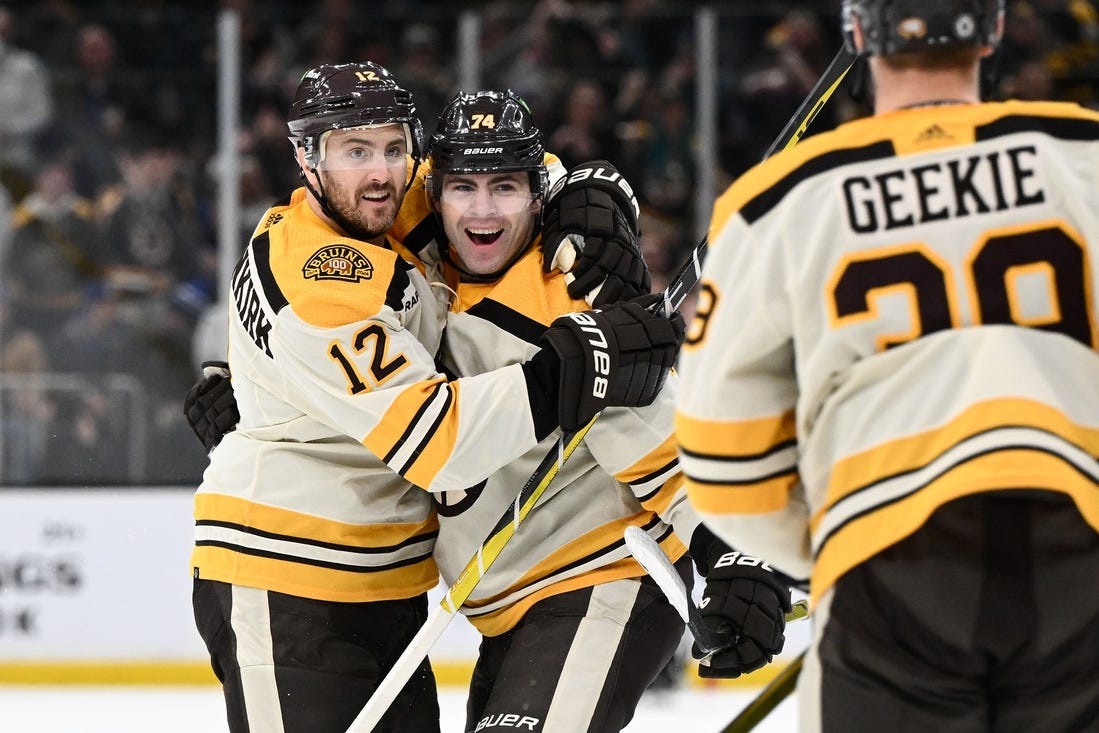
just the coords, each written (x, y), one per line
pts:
(303, 166)
(856, 34)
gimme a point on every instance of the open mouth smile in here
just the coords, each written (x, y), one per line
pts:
(484, 236)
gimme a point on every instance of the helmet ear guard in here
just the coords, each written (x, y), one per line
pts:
(902, 26)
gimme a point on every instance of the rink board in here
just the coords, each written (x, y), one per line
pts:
(95, 587)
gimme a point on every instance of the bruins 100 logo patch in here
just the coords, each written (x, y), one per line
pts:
(338, 262)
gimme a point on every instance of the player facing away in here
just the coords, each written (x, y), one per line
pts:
(892, 388)
(313, 545)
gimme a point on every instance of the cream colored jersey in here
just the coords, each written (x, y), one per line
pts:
(331, 348)
(624, 472)
(895, 314)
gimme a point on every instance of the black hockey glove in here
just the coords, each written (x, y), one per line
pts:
(743, 594)
(616, 357)
(590, 230)
(211, 405)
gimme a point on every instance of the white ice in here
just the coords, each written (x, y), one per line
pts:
(33, 709)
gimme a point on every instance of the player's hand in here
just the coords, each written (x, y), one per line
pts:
(616, 357)
(590, 231)
(211, 406)
(742, 594)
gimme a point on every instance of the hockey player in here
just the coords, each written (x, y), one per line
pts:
(564, 593)
(892, 387)
(312, 546)
(574, 631)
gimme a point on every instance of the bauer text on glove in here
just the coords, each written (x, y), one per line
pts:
(616, 357)
(590, 231)
(745, 594)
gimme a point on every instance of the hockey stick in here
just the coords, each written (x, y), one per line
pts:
(775, 692)
(660, 568)
(814, 101)
(532, 490)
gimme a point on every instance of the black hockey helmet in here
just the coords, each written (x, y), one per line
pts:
(487, 132)
(339, 96)
(900, 26)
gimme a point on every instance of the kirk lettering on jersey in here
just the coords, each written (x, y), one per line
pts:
(249, 308)
(945, 189)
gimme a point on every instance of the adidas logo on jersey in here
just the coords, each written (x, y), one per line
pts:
(933, 133)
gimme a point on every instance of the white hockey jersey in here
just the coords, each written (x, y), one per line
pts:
(894, 314)
(331, 348)
(624, 473)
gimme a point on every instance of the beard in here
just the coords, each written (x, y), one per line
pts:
(344, 205)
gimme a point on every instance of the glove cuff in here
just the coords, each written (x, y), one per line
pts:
(543, 376)
(702, 540)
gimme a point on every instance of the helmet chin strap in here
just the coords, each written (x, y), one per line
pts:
(320, 195)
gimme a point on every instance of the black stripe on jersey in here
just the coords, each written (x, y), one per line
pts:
(415, 422)
(508, 320)
(431, 431)
(646, 479)
(261, 246)
(743, 482)
(317, 543)
(766, 200)
(1062, 128)
(312, 561)
(394, 296)
(880, 505)
(422, 234)
(606, 549)
(778, 447)
(412, 423)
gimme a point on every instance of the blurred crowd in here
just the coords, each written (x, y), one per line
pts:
(108, 171)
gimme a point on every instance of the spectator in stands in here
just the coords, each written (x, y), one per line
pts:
(93, 102)
(50, 268)
(586, 133)
(422, 66)
(152, 225)
(668, 165)
(26, 412)
(26, 107)
(57, 428)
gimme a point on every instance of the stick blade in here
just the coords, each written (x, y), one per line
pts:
(648, 553)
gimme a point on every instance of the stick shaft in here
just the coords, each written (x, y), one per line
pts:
(814, 101)
(460, 590)
(767, 700)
